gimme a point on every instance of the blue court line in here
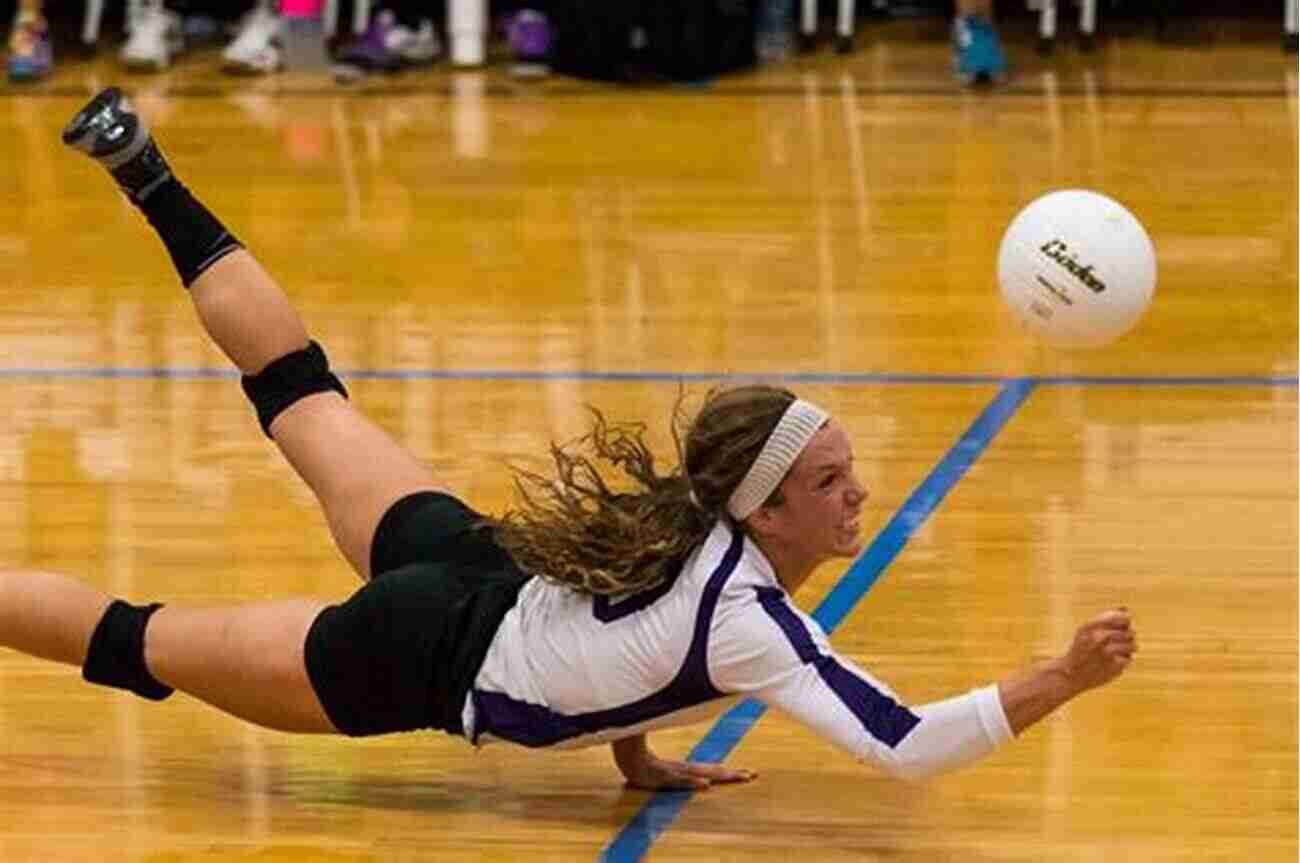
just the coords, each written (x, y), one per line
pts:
(634, 840)
(99, 373)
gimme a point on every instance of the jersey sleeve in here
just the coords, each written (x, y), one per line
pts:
(772, 651)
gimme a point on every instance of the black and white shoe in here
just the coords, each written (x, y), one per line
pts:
(107, 130)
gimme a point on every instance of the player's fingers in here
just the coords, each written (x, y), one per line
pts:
(1116, 618)
(1100, 639)
(718, 773)
(732, 779)
(1119, 636)
(1121, 649)
(684, 782)
(1118, 650)
(668, 783)
(1102, 633)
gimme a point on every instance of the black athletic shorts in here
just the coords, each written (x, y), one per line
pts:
(402, 653)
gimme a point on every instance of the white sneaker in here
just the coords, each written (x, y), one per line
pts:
(256, 50)
(155, 36)
(416, 47)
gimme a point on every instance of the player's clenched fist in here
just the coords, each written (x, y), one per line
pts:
(1103, 647)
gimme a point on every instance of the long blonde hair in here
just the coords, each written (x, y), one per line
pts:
(598, 535)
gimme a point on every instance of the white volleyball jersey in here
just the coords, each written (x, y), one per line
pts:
(570, 670)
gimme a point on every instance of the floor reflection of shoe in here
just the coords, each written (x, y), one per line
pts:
(977, 51)
(529, 35)
(108, 131)
(256, 49)
(346, 73)
(31, 56)
(262, 108)
(156, 36)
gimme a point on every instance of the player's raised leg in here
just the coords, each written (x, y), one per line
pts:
(355, 468)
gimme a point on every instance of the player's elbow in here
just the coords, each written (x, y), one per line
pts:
(920, 763)
(908, 771)
(908, 767)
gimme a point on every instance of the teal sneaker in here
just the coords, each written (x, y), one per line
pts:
(977, 51)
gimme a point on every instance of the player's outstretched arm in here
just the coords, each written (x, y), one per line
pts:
(860, 713)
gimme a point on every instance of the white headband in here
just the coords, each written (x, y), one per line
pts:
(797, 426)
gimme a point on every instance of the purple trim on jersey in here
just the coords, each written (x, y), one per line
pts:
(534, 725)
(883, 717)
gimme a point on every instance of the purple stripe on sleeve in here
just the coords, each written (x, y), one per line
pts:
(882, 717)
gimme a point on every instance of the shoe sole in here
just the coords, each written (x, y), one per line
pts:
(27, 76)
(982, 78)
(370, 67)
(529, 71)
(78, 126)
(249, 70)
(144, 67)
(84, 133)
(154, 65)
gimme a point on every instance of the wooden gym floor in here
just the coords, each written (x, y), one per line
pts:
(484, 258)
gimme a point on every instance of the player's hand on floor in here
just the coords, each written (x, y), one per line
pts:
(659, 774)
(645, 770)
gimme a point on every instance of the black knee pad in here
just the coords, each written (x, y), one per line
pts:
(116, 653)
(286, 380)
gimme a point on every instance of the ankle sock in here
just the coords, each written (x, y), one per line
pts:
(194, 237)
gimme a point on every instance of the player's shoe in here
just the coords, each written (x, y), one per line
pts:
(529, 35)
(157, 35)
(30, 54)
(977, 51)
(107, 130)
(257, 49)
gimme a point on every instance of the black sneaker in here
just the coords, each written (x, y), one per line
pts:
(107, 130)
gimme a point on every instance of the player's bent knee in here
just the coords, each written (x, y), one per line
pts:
(289, 379)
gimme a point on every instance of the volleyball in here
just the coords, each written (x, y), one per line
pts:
(1077, 268)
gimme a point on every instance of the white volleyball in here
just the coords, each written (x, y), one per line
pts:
(1077, 268)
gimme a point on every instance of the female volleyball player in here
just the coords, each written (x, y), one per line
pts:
(583, 616)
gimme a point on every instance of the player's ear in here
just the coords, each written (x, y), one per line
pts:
(766, 520)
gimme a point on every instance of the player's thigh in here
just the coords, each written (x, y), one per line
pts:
(355, 468)
(247, 660)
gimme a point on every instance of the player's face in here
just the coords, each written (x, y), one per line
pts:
(822, 510)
